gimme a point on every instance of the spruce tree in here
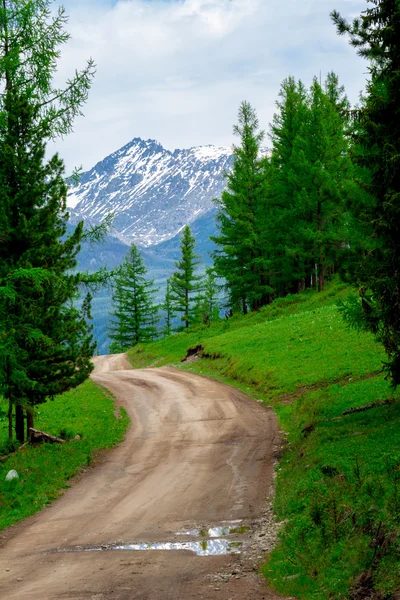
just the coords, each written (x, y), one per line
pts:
(241, 258)
(184, 281)
(375, 268)
(134, 314)
(45, 342)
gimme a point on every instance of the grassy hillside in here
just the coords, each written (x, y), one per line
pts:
(338, 484)
(44, 471)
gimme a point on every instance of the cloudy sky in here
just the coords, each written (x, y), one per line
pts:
(177, 70)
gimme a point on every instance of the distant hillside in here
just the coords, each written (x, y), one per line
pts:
(159, 260)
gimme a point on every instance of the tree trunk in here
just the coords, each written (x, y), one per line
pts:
(30, 421)
(10, 419)
(321, 275)
(187, 308)
(10, 402)
(244, 306)
(321, 266)
(19, 423)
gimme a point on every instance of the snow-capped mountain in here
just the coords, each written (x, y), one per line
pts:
(152, 192)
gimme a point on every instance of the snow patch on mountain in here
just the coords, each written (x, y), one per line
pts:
(152, 192)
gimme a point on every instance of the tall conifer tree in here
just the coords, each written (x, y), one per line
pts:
(376, 267)
(323, 173)
(45, 343)
(184, 281)
(134, 313)
(241, 258)
(287, 261)
(310, 176)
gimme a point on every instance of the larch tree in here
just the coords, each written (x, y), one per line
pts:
(241, 257)
(309, 178)
(288, 271)
(184, 281)
(134, 312)
(375, 267)
(323, 173)
(45, 342)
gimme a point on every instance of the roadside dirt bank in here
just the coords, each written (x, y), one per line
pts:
(199, 456)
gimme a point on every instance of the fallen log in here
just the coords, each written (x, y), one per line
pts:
(36, 437)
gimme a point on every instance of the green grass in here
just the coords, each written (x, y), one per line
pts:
(44, 470)
(276, 352)
(338, 482)
(339, 490)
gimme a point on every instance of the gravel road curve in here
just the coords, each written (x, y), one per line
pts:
(197, 455)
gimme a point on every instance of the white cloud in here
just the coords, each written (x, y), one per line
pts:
(177, 71)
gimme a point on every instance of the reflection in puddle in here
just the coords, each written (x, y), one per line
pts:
(212, 542)
(202, 548)
(216, 532)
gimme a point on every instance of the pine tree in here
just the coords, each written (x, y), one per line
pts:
(376, 267)
(134, 314)
(45, 342)
(168, 309)
(184, 281)
(241, 259)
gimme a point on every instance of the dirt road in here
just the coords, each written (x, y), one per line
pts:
(198, 455)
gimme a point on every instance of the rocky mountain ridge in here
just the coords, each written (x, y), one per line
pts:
(152, 192)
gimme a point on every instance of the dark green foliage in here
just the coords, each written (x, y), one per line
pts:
(309, 178)
(374, 263)
(134, 314)
(242, 258)
(287, 268)
(184, 281)
(45, 343)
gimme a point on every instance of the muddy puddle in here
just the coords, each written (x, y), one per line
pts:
(213, 542)
(209, 547)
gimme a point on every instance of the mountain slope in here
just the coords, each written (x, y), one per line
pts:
(152, 192)
(337, 493)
